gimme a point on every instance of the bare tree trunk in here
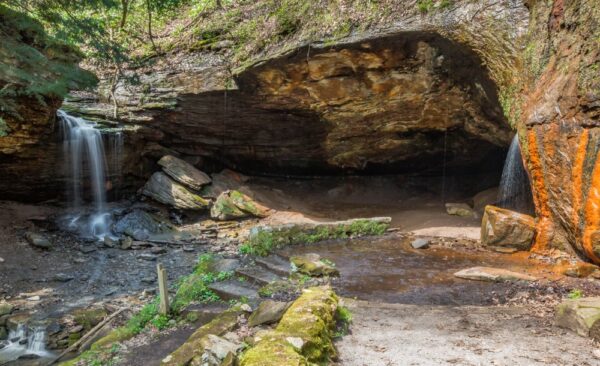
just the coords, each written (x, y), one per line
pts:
(124, 11)
(150, 26)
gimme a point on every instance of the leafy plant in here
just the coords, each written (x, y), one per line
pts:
(575, 294)
(425, 6)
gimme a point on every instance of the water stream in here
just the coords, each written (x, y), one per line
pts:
(514, 192)
(24, 341)
(85, 157)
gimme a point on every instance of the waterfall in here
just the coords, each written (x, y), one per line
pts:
(83, 147)
(24, 341)
(514, 192)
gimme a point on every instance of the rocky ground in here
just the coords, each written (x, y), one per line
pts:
(48, 274)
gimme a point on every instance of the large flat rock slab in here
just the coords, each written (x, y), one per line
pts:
(165, 190)
(234, 289)
(492, 274)
(184, 172)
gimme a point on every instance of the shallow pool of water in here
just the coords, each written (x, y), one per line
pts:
(389, 269)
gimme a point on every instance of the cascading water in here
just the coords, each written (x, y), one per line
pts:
(24, 341)
(514, 192)
(84, 148)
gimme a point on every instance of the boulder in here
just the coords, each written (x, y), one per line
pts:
(38, 240)
(3, 333)
(216, 350)
(492, 274)
(163, 189)
(311, 264)
(581, 316)
(420, 243)
(234, 205)
(502, 227)
(268, 312)
(140, 225)
(5, 308)
(459, 209)
(184, 172)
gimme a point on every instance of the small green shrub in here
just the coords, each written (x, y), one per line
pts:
(575, 294)
(425, 6)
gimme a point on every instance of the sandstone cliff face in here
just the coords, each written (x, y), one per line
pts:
(412, 96)
(390, 98)
(559, 115)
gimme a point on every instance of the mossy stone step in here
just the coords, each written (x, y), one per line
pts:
(276, 264)
(234, 289)
(258, 275)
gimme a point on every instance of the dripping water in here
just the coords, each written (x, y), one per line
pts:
(85, 157)
(514, 192)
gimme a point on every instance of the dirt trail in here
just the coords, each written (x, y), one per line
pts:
(398, 334)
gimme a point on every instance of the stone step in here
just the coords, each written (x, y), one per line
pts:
(275, 263)
(258, 275)
(234, 289)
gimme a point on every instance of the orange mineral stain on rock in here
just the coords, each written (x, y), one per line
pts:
(577, 177)
(544, 226)
(592, 214)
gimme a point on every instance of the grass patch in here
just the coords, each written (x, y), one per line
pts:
(265, 240)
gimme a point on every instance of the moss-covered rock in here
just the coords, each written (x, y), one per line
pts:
(234, 205)
(311, 264)
(194, 346)
(89, 318)
(303, 336)
(265, 239)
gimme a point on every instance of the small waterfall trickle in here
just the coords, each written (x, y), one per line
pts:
(84, 148)
(514, 192)
(24, 341)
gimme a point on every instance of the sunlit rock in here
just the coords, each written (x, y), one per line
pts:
(492, 275)
(581, 316)
(165, 190)
(505, 228)
(234, 205)
(184, 172)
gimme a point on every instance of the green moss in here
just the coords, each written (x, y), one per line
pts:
(89, 317)
(264, 240)
(310, 318)
(194, 345)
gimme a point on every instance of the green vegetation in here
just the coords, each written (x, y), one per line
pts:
(191, 288)
(266, 240)
(34, 65)
(425, 6)
(575, 294)
(311, 317)
(343, 318)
